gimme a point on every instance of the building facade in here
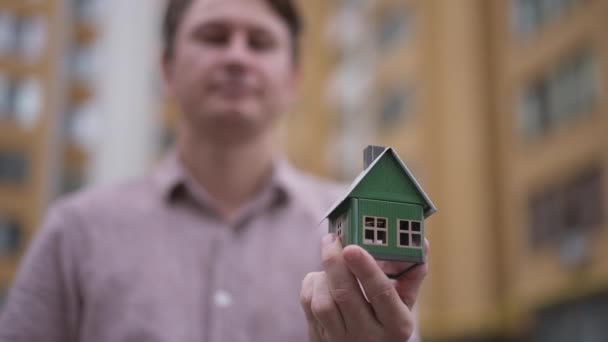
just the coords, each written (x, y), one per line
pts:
(499, 108)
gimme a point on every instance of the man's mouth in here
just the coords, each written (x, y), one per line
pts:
(233, 89)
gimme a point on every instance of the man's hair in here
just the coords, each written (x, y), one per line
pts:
(176, 11)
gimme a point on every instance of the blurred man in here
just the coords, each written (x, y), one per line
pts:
(216, 243)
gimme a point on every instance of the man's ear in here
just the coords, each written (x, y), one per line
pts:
(294, 82)
(167, 71)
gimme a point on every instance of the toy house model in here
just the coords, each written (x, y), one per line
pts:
(384, 209)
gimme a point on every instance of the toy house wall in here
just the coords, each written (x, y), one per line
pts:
(392, 211)
(341, 215)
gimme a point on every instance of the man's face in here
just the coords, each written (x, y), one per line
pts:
(231, 72)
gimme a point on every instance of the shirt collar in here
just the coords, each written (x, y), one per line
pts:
(172, 180)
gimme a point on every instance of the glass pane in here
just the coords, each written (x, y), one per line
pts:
(381, 223)
(417, 240)
(370, 222)
(87, 9)
(13, 167)
(381, 237)
(28, 102)
(404, 239)
(72, 181)
(394, 27)
(8, 22)
(32, 38)
(82, 62)
(404, 225)
(369, 235)
(6, 97)
(9, 236)
(416, 226)
(397, 104)
(83, 125)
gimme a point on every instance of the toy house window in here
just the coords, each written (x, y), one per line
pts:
(409, 233)
(339, 228)
(375, 230)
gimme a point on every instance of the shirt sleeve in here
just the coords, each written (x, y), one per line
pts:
(43, 303)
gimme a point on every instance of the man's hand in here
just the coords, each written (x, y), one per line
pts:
(339, 309)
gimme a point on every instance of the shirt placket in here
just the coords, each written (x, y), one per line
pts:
(226, 313)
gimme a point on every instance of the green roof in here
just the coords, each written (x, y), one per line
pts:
(388, 179)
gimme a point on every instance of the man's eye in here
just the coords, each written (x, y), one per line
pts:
(212, 37)
(261, 42)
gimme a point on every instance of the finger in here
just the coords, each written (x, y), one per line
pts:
(326, 311)
(343, 286)
(408, 286)
(391, 312)
(306, 301)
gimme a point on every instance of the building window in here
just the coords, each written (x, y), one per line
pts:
(578, 320)
(73, 180)
(8, 91)
(31, 38)
(396, 104)
(573, 87)
(565, 93)
(82, 62)
(82, 125)
(28, 102)
(393, 28)
(87, 9)
(375, 230)
(14, 167)
(20, 100)
(530, 16)
(10, 236)
(8, 38)
(545, 222)
(567, 209)
(583, 207)
(534, 109)
(409, 234)
(23, 36)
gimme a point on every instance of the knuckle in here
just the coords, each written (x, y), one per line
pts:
(329, 259)
(306, 291)
(343, 295)
(403, 331)
(305, 298)
(371, 334)
(323, 308)
(408, 299)
(382, 296)
(308, 280)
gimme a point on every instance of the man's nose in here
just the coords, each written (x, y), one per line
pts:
(238, 54)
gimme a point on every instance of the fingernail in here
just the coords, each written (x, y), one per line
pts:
(329, 238)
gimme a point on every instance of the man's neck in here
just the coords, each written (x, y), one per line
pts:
(231, 174)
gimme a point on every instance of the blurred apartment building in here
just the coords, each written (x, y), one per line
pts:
(32, 89)
(69, 113)
(499, 108)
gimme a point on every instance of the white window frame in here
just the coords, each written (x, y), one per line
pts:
(410, 232)
(375, 229)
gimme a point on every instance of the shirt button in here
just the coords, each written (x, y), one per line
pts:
(222, 299)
